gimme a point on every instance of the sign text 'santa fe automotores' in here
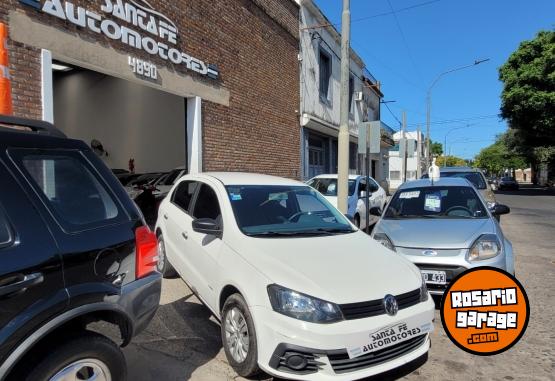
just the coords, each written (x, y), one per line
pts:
(485, 311)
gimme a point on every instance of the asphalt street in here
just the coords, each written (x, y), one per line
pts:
(183, 341)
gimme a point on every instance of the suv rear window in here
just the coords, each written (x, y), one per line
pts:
(74, 194)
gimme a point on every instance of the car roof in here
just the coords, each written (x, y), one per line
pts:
(334, 176)
(442, 182)
(245, 178)
(459, 169)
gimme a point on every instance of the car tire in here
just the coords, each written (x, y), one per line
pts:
(164, 266)
(87, 356)
(357, 221)
(235, 318)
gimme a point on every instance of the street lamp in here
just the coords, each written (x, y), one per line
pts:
(445, 142)
(429, 102)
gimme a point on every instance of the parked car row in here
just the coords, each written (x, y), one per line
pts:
(300, 292)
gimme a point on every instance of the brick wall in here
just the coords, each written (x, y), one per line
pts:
(254, 43)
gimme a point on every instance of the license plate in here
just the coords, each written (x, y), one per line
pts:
(388, 336)
(435, 277)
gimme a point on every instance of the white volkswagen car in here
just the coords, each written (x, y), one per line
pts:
(356, 203)
(301, 293)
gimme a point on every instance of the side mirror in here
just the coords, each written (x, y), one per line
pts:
(373, 188)
(375, 211)
(207, 226)
(500, 209)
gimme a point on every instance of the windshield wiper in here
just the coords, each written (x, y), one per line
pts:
(319, 231)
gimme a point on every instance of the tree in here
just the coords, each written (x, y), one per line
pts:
(451, 161)
(436, 148)
(528, 97)
(498, 157)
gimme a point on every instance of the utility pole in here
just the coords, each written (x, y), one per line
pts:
(343, 139)
(404, 150)
(418, 153)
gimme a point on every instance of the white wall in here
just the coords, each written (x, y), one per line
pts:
(310, 74)
(130, 120)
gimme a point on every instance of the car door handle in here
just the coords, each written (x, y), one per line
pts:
(27, 281)
(165, 216)
(185, 235)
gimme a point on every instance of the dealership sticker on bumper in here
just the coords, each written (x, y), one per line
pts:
(389, 336)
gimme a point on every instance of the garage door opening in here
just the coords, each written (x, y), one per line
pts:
(123, 121)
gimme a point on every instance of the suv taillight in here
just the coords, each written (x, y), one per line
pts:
(147, 251)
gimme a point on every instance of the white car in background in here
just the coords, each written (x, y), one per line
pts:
(300, 292)
(327, 185)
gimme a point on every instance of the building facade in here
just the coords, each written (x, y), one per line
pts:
(414, 163)
(206, 84)
(320, 79)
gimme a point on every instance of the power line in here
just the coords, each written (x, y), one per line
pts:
(449, 121)
(409, 53)
(373, 16)
(391, 112)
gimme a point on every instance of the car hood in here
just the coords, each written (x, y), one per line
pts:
(343, 268)
(435, 233)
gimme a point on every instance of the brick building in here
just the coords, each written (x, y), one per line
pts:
(210, 84)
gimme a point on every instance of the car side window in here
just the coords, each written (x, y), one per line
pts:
(6, 237)
(361, 187)
(183, 194)
(73, 193)
(206, 204)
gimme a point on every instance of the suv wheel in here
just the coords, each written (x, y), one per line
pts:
(89, 356)
(164, 266)
(239, 336)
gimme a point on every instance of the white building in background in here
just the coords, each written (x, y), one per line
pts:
(320, 78)
(413, 163)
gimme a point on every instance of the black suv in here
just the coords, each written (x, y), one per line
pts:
(74, 249)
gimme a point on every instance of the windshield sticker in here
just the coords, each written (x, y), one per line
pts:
(278, 196)
(413, 194)
(432, 202)
(235, 197)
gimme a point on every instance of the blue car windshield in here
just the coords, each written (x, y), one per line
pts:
(280, 210)
(436, 202)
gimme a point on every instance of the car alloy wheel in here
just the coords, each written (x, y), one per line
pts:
(86, 369)
(237, 334)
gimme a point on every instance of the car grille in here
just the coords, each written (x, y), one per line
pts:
(363, 310)
(341, 363)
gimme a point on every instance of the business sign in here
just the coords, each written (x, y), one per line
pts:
(134, 23)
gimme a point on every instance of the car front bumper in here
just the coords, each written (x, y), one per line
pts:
(453, 266)
(326, 343)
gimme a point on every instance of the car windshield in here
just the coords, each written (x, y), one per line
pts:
(328, 186)
(436, 202)
(144, 179)
(278, 210)
(474, 177)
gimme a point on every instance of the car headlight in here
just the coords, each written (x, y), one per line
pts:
(303, 307)
(423, 290)
(485, 247)
(384, 240)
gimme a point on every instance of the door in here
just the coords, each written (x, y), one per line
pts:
(32, 289)
(93, 230)
(205, 249)
(177, 219)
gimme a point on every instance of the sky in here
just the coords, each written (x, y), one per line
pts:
(408, 48)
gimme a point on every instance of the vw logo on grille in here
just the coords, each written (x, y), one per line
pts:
(429, 253)
(390, 305)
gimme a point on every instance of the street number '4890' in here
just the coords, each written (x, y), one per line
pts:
(143, 68)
